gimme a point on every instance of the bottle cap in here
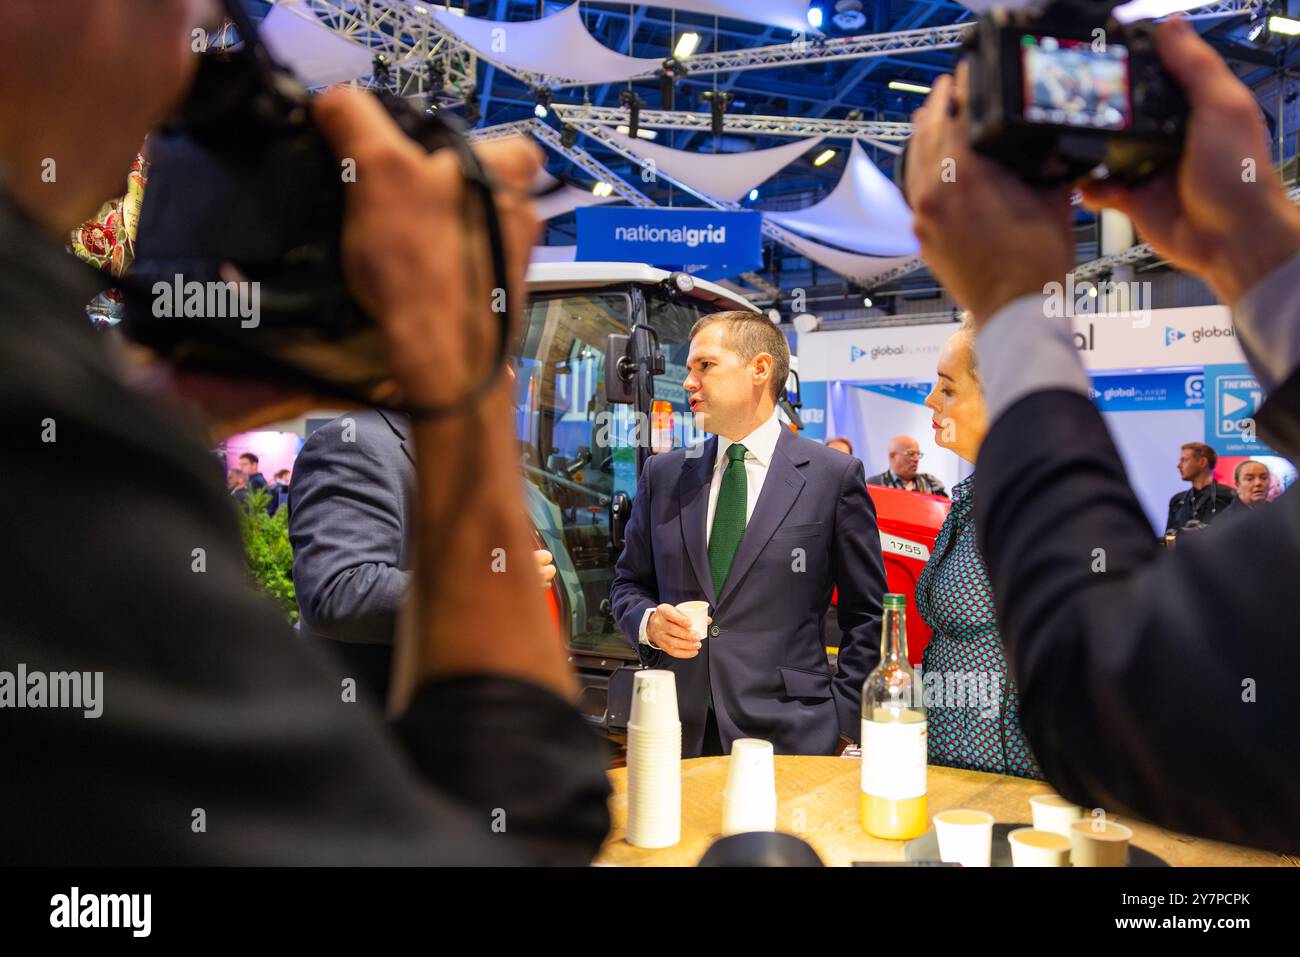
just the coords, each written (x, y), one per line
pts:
(895, 602)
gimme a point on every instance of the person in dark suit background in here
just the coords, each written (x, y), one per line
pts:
(352, 523)
(250, 465)
(280, 490)
(763, 525)
(1153, 683)
(352, 510)
(1206, 499)
(903, 472)
(212, 712)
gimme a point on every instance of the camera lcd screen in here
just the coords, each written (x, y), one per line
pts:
(1069, 83)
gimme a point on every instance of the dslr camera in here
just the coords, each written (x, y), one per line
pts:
(1064, 91)
(244, 191)
(1061, 92)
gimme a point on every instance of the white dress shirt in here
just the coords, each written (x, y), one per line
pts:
(760, 446)
(1021, 350)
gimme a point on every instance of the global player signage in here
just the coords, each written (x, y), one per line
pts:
(670, 237)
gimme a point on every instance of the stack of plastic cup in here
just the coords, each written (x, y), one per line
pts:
(749, 801)
(654, 762)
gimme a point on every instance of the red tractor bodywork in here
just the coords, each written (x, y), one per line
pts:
(909, 523)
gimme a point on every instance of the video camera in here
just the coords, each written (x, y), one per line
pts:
(1064, 91)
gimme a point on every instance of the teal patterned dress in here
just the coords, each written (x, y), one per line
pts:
(974, 715)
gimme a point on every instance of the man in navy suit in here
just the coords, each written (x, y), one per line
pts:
(762, 525)
(1153, 683)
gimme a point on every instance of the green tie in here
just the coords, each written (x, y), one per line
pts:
(728, 517)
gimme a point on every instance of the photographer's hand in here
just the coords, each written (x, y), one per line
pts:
(986, 236)
(419, 267)
(1222, 212)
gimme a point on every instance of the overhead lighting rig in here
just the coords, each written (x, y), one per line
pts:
(718, 101)
(632, 103)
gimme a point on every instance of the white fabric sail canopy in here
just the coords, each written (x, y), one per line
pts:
(555, 46)
(554, 254)
(865, 213)
(728, 176)
(317, 55)
(850, 265)
(565, 199)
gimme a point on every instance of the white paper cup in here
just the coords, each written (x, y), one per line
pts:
(965, 837)
(654, 771)
(1031, 847)
(654, 700)
(749, 799)
(698, 613)
(1099, 844)
(1054, 813)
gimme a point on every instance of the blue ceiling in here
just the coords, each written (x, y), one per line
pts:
(828, 89)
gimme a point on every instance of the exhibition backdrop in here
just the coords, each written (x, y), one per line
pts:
(1160, 378)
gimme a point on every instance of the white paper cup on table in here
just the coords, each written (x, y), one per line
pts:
(1031, 847)
(654, 700)
(1054, 813)
(749, 800)
(1099, 844)
(965, 837)
(654, 762)
(698, 613)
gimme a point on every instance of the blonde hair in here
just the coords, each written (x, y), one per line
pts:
(967, 329)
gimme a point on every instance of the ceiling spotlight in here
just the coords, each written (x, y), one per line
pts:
(602, 189)
(753, 194)
(849, 16)
(629, 99)
(670, 72)
(568, 136)
(472, 113)
(806, 323)
(854, 116)
(816, 17)
(1256, 31)
(436, 75)
(543, 97)
(1284, 25)
(718, 101)
(824, 157)
(904, 87)
(687, 44)
(643, 134)
(866, 301)
(381, 70)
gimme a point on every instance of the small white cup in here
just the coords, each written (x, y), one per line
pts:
(1099, 844)
(965, 837)
(1054, 813)
(1031, 847)
(698, 613)
(749, 800)
(654, 700)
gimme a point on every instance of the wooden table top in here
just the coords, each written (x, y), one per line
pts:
(817, 799)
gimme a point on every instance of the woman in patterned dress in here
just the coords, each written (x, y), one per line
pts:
(980, 730)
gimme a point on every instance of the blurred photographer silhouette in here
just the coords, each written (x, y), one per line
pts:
(1152, 683)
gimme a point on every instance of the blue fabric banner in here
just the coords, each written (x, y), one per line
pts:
(669, 237)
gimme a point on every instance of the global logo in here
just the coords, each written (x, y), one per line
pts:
(1195, 388)
(875, 352)
(1172, 335)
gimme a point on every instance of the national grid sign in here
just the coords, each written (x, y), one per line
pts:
(671, 237)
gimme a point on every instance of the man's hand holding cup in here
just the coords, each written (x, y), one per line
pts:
(670, 630)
